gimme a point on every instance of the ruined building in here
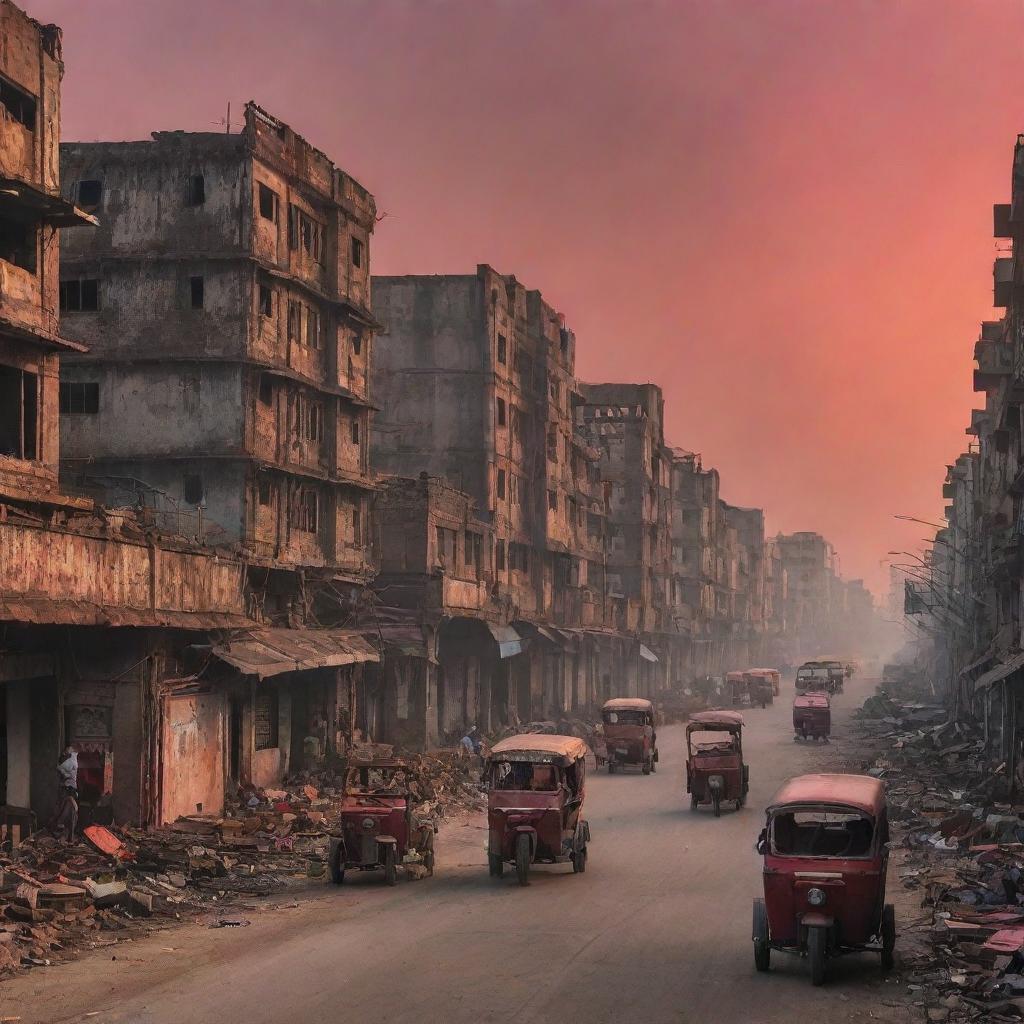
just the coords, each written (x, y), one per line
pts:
(225, 303)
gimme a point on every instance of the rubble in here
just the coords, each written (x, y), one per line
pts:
(958, 842)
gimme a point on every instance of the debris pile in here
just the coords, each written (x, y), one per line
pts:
(959, 844)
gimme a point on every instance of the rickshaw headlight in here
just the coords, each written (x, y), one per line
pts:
(368, 823)
(816, 897)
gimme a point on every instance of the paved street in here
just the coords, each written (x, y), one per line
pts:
(657, 930)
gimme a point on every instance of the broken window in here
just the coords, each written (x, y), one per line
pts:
(312, 328)
(357, 526)
(304, 231)
(500, 485)
(265, 717)
(79, 397)
(499, 555)
(80, 296)
(19, 413)
(192, 489)
(355, 431)
(357, 252)
(501, 412)
(502, 349)
(90, 194)
(196, 291)
(268, 203)
(519, 557)
(18, 104)
(195, 193)
(18, 243)
(266, 389)
(357, 342)
(294, 320)
(263, 490)
(553, 500)
(563, 337)
(266, 300)
(446, 541)
(306, 515)
(472, 545)
(312, 416)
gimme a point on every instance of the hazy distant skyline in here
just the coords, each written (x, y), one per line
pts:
(778, 211)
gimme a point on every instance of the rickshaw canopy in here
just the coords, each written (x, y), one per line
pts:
(734, 677)
(539, 748)
(627, 704)
(811, 699)
(860, 792)
(731, 720)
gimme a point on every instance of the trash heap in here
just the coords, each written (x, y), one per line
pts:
(959, 845)
(58, 897)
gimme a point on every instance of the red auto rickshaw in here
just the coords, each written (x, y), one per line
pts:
(714, 759)
(629, 734)
(776, 677)
(377, 825)
(736, 688)
(535, 789)
(812, 716)
(759, 687)
(825, 855)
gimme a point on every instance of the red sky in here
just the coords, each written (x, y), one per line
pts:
(779, 211)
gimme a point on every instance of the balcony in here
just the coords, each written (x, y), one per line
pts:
(1002, 280)
(995, 361)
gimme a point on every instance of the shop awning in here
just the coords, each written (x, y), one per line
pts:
(17, 196)
(508, 640)
(647, 654)
(269, 652)
(398, 641)
(999, 673)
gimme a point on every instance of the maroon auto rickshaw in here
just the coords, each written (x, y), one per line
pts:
(825, 854)
(736, 688)
(812, 716)
(760, 688)
(629, 734)
(714, 759)
(535, 789)
(378, 829)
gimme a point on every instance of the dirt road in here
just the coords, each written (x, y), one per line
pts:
(657, 930)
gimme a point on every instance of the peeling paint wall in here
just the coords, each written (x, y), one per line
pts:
(193, 755)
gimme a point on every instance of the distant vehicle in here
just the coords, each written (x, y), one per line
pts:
(736, 688)
(377, 826)
(812, 676)
(760, 687)
(775, 676)
(535, 790)
(836, 671)
(812, 716)
(629, 734)
(714, 759)
(825, 856)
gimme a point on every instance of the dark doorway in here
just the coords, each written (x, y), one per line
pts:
(235, 738)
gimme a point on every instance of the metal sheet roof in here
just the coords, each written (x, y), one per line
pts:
(269, 652)
(569, 747)
(40, 611)
(509, 641)
(999, 673)
(723, 719)
(647, 654)
(861, 792)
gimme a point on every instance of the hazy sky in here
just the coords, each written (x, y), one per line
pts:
(779, 211)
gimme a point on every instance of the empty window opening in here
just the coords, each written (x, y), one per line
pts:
(312, 328)
(263, 488)
(502, 348)
(553, 500)
(90, 194)
(501, 412)
(357, 342)
(265, 717)
(305, 232)
(80, 296)
(19, 413)
(306, 516)
(312, 420)
(196, 291)
(268, 203)
(18, 243)
(501, 484)
(266, 300)
(446, 543)
(472, 543)
(294, 320)
(195, 194)
(18, 104)
(499, 555)
(357, 526)
(79, 397)
(357, 252)
(266, 389)
(192, 489)
(563, 337)
(355, 431)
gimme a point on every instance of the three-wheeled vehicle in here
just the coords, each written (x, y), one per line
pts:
(836, 671)
(825, 855)
(736, 688)
(535, 789)
(811, 676)
(714, 759)
(629, 733)
(378, 829)
(759, 686)
(812, 716)
(776, 677)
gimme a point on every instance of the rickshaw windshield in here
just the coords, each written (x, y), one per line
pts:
(625, 717)
(523, 777)
(371, 779)
(812, 673)
(822, 833)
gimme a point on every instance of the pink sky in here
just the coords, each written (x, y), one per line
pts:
(778, 211)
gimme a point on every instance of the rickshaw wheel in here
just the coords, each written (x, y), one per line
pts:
(611, 767)
(888, 937)
(717, 801)
(646, 767)
(762, 950)
(495, 865)
(390, 867)
(816, 954)
(523, 858)
(579, 860)
(337, 867)
(693, 801)
(654, 765)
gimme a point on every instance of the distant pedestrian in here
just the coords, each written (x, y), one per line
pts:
(471, 742)
(65, 819)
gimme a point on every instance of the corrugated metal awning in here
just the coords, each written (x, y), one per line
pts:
(398, 641)
(509, 641)
(40, 611)
(647, 654)
(999, 673)
(269, 652)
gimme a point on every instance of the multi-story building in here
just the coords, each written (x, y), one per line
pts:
(809, 563)
(225, 304)
(747, 582)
